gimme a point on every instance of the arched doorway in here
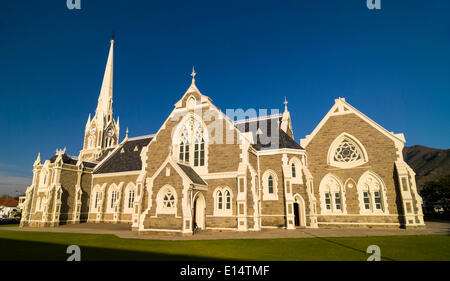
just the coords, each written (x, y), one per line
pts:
(199, 211)
(299, 211)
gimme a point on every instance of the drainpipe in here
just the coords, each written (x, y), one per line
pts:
(259, 192)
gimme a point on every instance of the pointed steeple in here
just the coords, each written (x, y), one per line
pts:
(38, 160)
(88, 123)
(193, 87)
(286, 124)
(102, 131)
(105, 99)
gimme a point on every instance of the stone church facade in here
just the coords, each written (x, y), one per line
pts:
(205, 170)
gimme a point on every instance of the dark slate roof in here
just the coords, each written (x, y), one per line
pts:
(287, 142)
(105, 153)
(67, 159)
(271, 136)
(126, 157)
(195, 178)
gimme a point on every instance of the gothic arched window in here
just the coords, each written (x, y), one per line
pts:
(270, 185)
(332, 195)
(293, 170)
(191, 139)
(166, 200)
(222, 201)
(346, 152)
(372, 194)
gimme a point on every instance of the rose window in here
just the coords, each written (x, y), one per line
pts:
(346, 152)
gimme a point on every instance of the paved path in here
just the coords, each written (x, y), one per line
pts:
(123, 231)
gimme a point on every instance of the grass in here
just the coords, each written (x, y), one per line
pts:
(17, 245)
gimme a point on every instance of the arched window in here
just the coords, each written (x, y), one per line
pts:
(192, 139)
(227, 200)
(332, 195)
(222, 201)
(295, 165)
(97, 198)
(270, 185)
(372, 194)
(113, 198)
(219, 200)
(113, 195)
(130, 194)
(166, 200)
(184, 145)
(346, 152)
(44, 178)
(130, 198)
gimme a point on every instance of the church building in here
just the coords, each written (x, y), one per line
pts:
(206, 170)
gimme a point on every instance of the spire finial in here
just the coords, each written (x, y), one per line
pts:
(126, 133)
(285, 103)
(193, 74)
(112, 35)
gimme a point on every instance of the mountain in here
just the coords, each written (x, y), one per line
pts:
(429, 163)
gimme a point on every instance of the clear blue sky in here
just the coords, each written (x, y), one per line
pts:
(392, 64)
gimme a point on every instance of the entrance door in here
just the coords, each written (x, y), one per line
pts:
(296, 214)
(199, 212)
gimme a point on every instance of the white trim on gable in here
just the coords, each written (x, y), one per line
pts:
(341, 107)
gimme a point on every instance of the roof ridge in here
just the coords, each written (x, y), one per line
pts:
(142, 137)
(258, 118)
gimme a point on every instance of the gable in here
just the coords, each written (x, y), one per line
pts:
(342, 108)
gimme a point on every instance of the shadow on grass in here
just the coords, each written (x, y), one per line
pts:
(347, 247)
(21, 250)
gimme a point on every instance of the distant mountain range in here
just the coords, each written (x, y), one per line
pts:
(429, 163)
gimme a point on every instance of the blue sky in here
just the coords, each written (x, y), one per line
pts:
(392, 64)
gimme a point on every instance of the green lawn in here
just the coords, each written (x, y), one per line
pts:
(17, 245)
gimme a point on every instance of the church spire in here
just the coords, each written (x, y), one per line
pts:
(102, 131)
(105, 99)
(286, 124)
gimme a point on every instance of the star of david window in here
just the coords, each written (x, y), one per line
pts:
(346, 152)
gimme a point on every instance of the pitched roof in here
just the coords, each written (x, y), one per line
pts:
(8, 202)
(266, 132)
(127, 157)
(195, 178)
(72, 160)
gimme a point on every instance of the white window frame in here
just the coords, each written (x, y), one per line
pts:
(332, 185)
(130, 188)
(223, 210)
(265, 182)
(160, 208)
(44, 178)
(298, 179)
(96, 200)
(192, 140)
(112, 189)
(346, 165)
(370, 182)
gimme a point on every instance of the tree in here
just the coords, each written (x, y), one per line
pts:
(438, 190)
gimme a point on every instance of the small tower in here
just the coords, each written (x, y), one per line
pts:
(286, 124)
(102, 131)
